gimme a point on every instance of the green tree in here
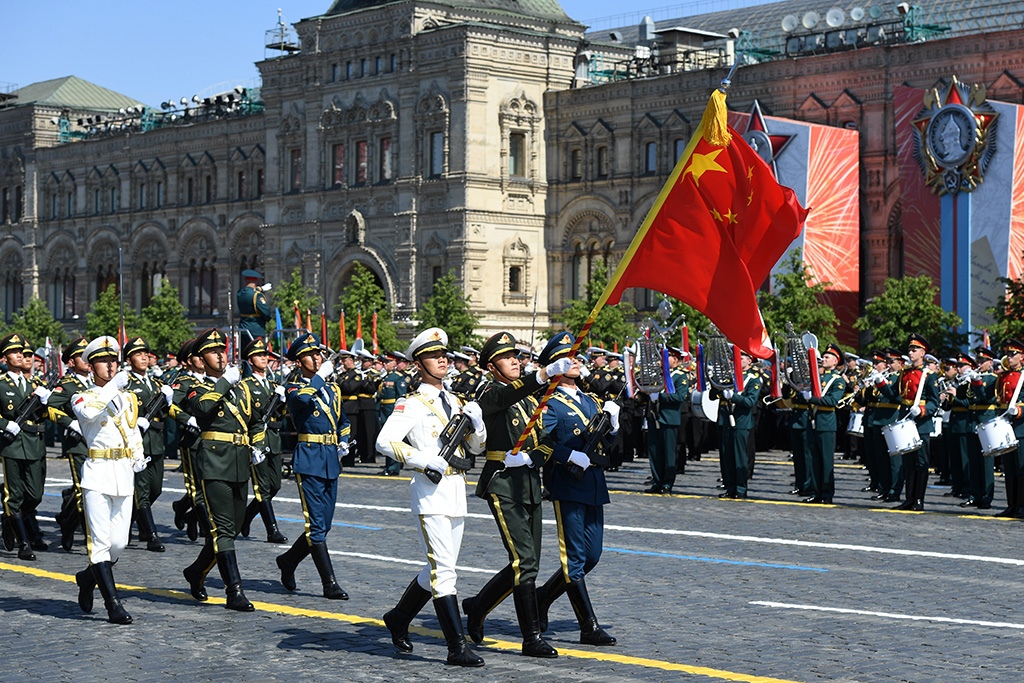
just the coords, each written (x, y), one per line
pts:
(1009, 311)
(164, 322)
(35, 322)
(105, 316)
(364, 296)
(908, 305)
(285, 296)
(798, 298)
(448, 308)
(612, 324)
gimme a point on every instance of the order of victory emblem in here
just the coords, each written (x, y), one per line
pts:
(954, 137)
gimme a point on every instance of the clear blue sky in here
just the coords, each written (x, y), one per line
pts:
(154, 51)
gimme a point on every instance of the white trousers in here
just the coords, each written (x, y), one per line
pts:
(442, 540)
(108, 520)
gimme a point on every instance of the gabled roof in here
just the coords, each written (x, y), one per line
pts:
(539, 9)
(72, 92)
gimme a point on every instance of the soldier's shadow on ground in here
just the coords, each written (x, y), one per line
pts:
(374, 640)
(57, 608)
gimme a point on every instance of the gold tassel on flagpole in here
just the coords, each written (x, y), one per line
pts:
(715, 123)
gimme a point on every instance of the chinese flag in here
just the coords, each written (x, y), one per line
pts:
(343, 343)
(323, 330)
(359, 325)
(375, 349)
(718, 227)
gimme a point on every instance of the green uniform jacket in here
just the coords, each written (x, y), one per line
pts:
(960, 420)
(825, 411)
(262, 393)
(983, 399)
(742, 404)
(29, 444)
(506, 409)
(223, 409)
(182, 386)
(152, 438)
(59, 407)
(670, 405)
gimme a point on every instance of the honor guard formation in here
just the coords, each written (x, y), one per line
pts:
(534, 428)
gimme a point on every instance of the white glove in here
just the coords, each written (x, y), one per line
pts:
(258, 456)
(326, 369)
(806, 395)
(612, 408)
(475, 414)
(518, 460)
(143, 424)
(120, 380)
(231, 375)
(974, 376)
(580, 459)
(915, 411)
(192, 424)
(558, 367)
(584, 371)
(267, 287)
(13, 428)
(342, 449)
(279, 390)
(75, 427)
(139, 464)
(655, 396)
(43, 393)
(879, 379)
(168, 393)
(436, 463)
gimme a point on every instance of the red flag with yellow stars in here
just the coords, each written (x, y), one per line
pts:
(720, 224)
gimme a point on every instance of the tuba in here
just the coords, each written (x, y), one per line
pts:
(796, 363)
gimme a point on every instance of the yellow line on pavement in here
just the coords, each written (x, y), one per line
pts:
(274, 608)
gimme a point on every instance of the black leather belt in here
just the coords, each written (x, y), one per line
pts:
(32, 429)
(275, 424)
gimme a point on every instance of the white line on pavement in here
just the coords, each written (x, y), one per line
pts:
(888, 615)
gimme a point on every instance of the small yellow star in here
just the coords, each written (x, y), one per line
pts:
(701, 164)
(731, 217)
(750, 198)
(750, 173)
(714, 214)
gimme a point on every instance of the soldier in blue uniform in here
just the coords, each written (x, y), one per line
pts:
(253, 307)
(323, 430)
(394, 386)
(735, 417)
(579, 502)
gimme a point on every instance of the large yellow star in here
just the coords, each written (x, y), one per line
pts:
(701, 164)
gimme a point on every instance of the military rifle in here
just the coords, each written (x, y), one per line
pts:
(452, 437)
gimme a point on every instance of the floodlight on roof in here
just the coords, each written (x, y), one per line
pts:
(811, 19)
(903, 9)
(857, 13)
(789, 22)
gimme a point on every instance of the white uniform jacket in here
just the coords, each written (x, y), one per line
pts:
(412, 434)
(107, 417)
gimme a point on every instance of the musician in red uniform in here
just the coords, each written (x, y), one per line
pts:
(1013, 462)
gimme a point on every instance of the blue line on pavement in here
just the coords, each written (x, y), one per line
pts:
(351, 526)
(716, 560)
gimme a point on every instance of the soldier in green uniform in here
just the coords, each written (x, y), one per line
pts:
(22, 448)
(663, 420)
(510, 483)
(253, 307)
(961, 427)
(735, 417)
(73, 447)
(231, 438)
(188, 509)
(350, 383)
(824, 425)
(885, 411)
(153, 396)
(394, 386)
(981, 393)
(268, 399)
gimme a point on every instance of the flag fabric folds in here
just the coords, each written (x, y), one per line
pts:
(720, 224)
(342, 342)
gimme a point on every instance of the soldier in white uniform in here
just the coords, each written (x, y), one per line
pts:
(411, 436)
(107, 415)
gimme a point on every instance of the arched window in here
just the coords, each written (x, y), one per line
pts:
(62, 294)
(13, 291)
(202, 287)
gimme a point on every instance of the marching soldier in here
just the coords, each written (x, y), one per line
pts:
(108, 414)
(887, 412)
(735, 417)
(189, 509)
(578, 500)
(367, 400)
(269, 401)
(876, 456)
(22, 448)
(800, 443)
(253, 307)
(982, 396)
(469, 376)
(961, 427)
(663, 420)
(824, 425)
(1012, 405)
(231, 437)
(393, 387)
(350, 383)
(155, 397)
(511, 485)
(410, 436)
(323, 431)
(73, 447)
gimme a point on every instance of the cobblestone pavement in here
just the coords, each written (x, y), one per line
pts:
(694, 588)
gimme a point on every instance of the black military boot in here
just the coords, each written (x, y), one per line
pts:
(148, 524)
(448, 616)
(290, 560)
(274, 534)
(525, 596)
(228, 565)
(1019, 512)
(322, 560)
(919, 488)
(196, 572)
(911, 491)
(181, 508)
(35, 534)
(116, 613)
(7, 533)
(490, 596)
(409, 605)
(68, 521)
(1011, 496)
(192, 524)
(251, 510)
(86, 581)
(552, 589)
(20, 535)
(591, 632)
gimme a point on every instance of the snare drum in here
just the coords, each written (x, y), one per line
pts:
(902, 437)
(856, 425)
(996, 437)
(704, 406)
